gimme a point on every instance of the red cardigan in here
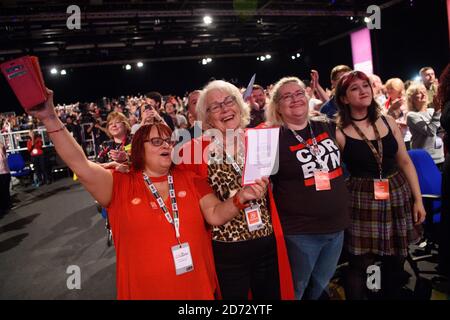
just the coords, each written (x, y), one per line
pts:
(286, 284)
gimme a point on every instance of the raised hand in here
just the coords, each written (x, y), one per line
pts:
(118, 155)
(47, 110)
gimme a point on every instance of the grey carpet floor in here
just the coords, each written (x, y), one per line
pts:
(48, 230)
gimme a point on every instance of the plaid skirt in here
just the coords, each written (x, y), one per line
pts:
(381, 227)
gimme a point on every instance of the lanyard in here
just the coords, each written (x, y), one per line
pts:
(121, 145)
(378, 154)
(230, 159)
(314, 149)
(175, 221)
(233, 163)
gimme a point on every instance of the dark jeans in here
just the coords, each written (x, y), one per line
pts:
(248, 265)
(5, 199)
(41, 168)
(392, 276)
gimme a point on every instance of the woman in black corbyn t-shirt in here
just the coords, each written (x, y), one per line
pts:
(309, 189)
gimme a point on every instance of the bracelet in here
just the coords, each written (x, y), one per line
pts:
(57, 130)
(237, 204)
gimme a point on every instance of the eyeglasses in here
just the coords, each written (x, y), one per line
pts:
(218, 106)
(158, 141)
(291, 97)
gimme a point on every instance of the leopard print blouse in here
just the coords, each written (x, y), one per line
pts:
(226, 182)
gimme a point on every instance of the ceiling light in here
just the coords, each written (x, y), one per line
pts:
(53, 71)
(207, 20)
(204, 61)
(208, 60)
(263, 58)
(63, 72)
(366, 19)
(293, 57)
(298, 55)
(127, 67)
(268, 56)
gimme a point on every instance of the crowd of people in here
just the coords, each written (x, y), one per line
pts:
(279, 238)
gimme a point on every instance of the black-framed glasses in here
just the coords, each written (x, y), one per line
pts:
(218, 106)
(291, 97)
(158, 141)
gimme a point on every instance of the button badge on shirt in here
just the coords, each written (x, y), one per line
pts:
(136, 201)
(154, 205)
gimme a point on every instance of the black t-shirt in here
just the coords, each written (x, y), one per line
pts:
(103, 152)
(301, 208)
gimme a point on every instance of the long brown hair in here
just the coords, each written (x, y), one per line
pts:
(344, 113)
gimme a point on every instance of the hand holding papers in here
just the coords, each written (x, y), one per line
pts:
(261, 159)
(25, 78)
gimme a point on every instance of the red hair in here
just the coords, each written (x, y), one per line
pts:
(344, 113)
(137, 145)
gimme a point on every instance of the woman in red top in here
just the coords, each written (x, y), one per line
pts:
(34, 146)
(157, 214)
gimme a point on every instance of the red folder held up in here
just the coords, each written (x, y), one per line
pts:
(25, 78)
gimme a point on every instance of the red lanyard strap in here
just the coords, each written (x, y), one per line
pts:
(378, 154)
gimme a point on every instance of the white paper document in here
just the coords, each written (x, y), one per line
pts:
(261, 158)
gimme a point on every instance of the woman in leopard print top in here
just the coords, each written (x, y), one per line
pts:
(246, 257)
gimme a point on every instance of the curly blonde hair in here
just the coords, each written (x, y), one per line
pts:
(227, 88)
(412, 90)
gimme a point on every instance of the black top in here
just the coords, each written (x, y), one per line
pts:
(302, 209)
(445, 122)
(103, 152)
(256, 117)
(360, 161)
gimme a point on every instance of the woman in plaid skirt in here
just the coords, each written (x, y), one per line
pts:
(386, 206)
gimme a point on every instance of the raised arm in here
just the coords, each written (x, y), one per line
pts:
(95, 179)
(321, 94)
(217, 212)
(415, 121)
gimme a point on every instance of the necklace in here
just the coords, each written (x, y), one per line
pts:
(365, 117)
(159, 179)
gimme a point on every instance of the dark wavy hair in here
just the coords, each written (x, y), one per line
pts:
(137, 145)
(443, 92)
(344, 113)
